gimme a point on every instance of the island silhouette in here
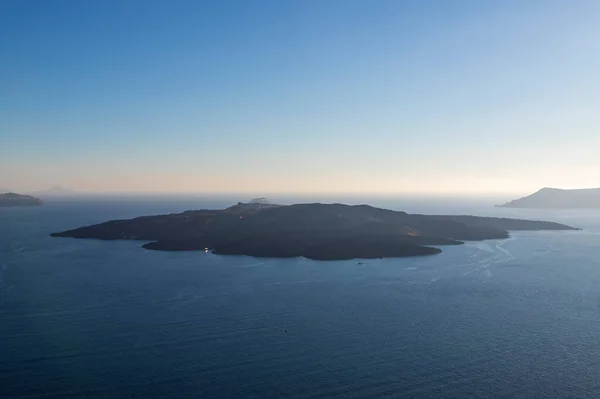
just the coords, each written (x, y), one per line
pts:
(556, 198)
(14, 199)
(315, 231)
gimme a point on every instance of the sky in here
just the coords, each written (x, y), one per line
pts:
(300, 96)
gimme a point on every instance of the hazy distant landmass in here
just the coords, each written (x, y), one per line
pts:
(558, 199)
(13, 199)
(55, 191)
(261, 200)
(316, 231)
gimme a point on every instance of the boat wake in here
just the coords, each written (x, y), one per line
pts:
(500, 255)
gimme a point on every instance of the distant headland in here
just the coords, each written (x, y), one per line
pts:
(13, 199)
(555, 198)
(315, 231)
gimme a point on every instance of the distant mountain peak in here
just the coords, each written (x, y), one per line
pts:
(260, 200)
(57, 190)
(60, 188)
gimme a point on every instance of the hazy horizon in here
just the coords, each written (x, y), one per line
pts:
(372, 98)
(59, 190)
(242, 196)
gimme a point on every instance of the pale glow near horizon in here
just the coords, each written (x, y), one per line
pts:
(582, 177)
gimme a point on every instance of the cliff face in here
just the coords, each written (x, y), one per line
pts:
(554, 198)
(317, 231)
(12, 199)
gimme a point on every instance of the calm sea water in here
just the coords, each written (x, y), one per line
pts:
(83, 318)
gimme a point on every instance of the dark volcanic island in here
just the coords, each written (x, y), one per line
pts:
(315, 231)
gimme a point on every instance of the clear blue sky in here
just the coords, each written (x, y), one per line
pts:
(300, 96)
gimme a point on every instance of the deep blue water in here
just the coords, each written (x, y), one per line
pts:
(83, 318)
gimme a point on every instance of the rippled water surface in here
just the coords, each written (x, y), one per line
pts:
(509, 318)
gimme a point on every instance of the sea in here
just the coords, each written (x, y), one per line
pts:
(514, 318)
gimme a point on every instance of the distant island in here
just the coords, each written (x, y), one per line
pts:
(55, 191)
(12, 199)
(555, 198)
(315, 231)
